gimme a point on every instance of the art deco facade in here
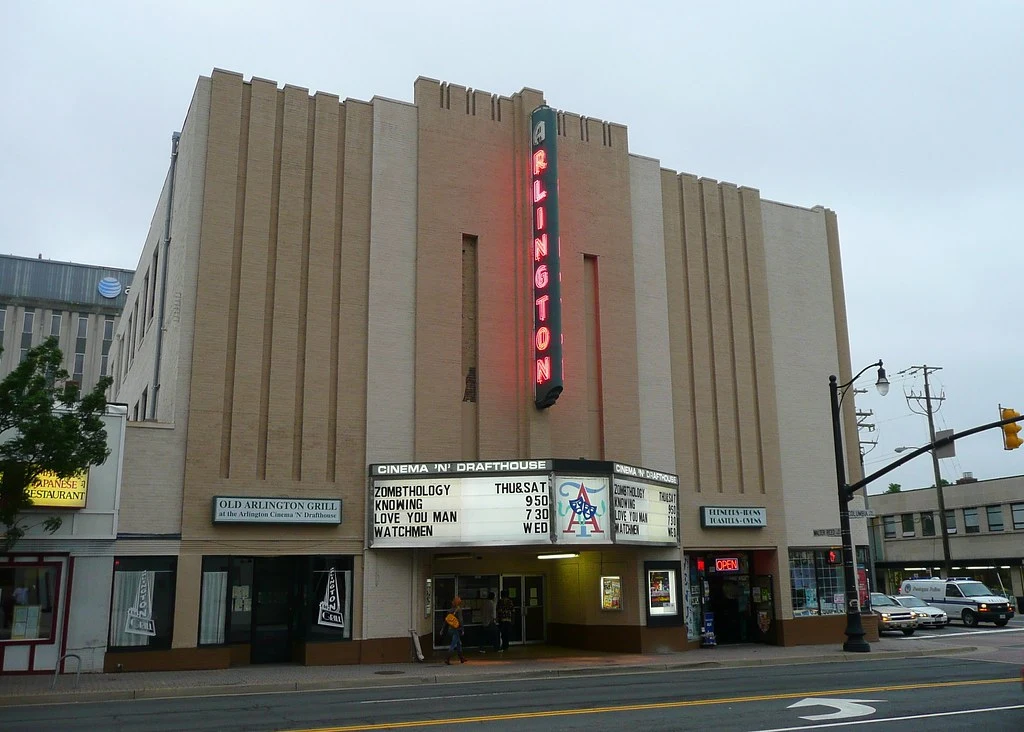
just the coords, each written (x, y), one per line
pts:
(353, 284)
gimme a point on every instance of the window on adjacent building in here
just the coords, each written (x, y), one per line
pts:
(30, 594)
(129, 343)
(995, 517)
(1017, 511)
(143, 321)
(950, 521)
(152, 290)
(971, 523)
(108, 339)
(889, 522)
(907, 521)
(144, 403)
(3, 326)
(927, 523)
(27, 325)
(142, 607)
(80, 342)
(55, 324)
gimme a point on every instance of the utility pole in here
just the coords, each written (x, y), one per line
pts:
(863, 425)
(928, 399)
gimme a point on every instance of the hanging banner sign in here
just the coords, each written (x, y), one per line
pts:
(139, 617)
(331, 612)
(460, 511)
(544, 255)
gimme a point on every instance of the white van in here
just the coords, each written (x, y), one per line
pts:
(961, 597)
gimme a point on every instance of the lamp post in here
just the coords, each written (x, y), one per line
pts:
(854, 628)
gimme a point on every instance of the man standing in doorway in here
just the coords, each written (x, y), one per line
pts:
(490, 623)
(504, 611)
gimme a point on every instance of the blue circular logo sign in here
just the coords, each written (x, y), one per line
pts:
(109, 287)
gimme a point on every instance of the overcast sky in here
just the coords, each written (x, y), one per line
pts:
(905, 118)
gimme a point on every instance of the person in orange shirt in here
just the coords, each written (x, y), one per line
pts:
(455, 629)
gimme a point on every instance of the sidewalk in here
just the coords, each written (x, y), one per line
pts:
(517, 663)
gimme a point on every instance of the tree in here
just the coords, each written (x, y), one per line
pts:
(943, 482)
(46, 424)
(894, 488)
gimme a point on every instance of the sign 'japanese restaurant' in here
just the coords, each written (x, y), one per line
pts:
(547, 286)
(49, 490)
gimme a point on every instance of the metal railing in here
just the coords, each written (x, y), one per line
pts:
(78, 670)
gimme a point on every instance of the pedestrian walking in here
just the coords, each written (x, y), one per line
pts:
(454, 627)
(504, 611)
(489, 619)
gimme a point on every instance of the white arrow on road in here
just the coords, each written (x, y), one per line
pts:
(845, 708)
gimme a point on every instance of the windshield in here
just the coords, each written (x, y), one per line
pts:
(974, 589)
(877, 598)
(912, 602)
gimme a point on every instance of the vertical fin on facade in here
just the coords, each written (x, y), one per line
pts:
(231, 337)
(302, 322)
(762, 380)
(339, 214)
(680, 341)
(271, 275)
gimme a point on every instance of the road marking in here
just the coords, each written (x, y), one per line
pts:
(435, 698)
(656, 705)
(968, 632)
(845, 708)
(894, 719)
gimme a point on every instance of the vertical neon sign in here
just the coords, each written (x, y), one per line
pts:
(544, 251)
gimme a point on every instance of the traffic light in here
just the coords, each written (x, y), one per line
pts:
(1011, 440)
(835, 556)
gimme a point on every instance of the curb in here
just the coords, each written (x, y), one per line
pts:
(171, 692)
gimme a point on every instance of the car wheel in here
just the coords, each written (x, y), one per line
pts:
(908, 631)
(1001, 623)
(970, 618)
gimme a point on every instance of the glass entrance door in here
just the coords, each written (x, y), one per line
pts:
(514, 585)
(272, 609)
(533, 600)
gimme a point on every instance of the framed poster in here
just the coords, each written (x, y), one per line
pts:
(663, 584)
(611, 593)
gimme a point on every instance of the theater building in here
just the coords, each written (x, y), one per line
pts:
(464, 345)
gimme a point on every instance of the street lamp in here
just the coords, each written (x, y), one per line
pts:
(854, 628)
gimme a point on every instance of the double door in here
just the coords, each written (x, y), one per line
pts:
(279, 595)
(527, 595)
(525, 591)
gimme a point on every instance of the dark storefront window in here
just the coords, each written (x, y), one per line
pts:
(28, 601)
(329, 604)
(142, 603)
(311, 595)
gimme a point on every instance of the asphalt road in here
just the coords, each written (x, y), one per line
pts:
(907, 694)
